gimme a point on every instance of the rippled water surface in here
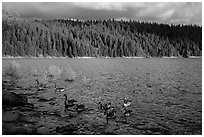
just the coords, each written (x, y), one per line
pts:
(166, 96)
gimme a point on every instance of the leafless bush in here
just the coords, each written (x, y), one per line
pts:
(54, 72)
(31, 71)
(13, 70)
(43, 79)
(68, 74)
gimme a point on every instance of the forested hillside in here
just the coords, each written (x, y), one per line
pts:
(73, 38)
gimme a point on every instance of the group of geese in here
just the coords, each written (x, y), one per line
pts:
(110, 112)
(68, 103)
(41, 86)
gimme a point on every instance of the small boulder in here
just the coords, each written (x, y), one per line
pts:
(43, 131)
(67, 130)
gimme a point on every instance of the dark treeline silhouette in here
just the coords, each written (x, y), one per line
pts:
(73, 38)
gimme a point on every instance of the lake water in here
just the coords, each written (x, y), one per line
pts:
(166, 94)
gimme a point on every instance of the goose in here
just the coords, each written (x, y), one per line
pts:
(69, 103)
(80, 107)
(40, 85)
(100, 105)
(58, 89)
(110, 114)
(104, 106)
(127, 102)
(107, 106)
(127, 113)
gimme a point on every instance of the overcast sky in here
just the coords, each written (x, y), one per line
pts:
(175, 13)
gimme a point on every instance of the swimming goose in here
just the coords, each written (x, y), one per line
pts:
(110, 114)
(104, 106)
(100, 105)
(69, 103)
(58, 89)
(127, 102)
(80, 107)
(40, 85)
(127, 113)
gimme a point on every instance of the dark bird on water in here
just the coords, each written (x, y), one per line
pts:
(104, 106)
(58, 89)
(107, 106)
(80, 107)
(109, 111)
(40, 86)
(100, 105)
(110, 114)
(127, 113)
(69, 102)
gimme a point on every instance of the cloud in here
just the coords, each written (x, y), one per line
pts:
(162, 12)
(111, 6)
(101, 6)
(187, 13)
(167, 14)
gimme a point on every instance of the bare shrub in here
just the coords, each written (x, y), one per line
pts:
(34, 71)
(31, 71)
(13, 70)
(43, 79)
(68, 74)
(54, 71)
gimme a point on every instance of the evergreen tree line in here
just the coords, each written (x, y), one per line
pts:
(75, 38)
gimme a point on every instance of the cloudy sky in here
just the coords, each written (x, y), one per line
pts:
(175, 13)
